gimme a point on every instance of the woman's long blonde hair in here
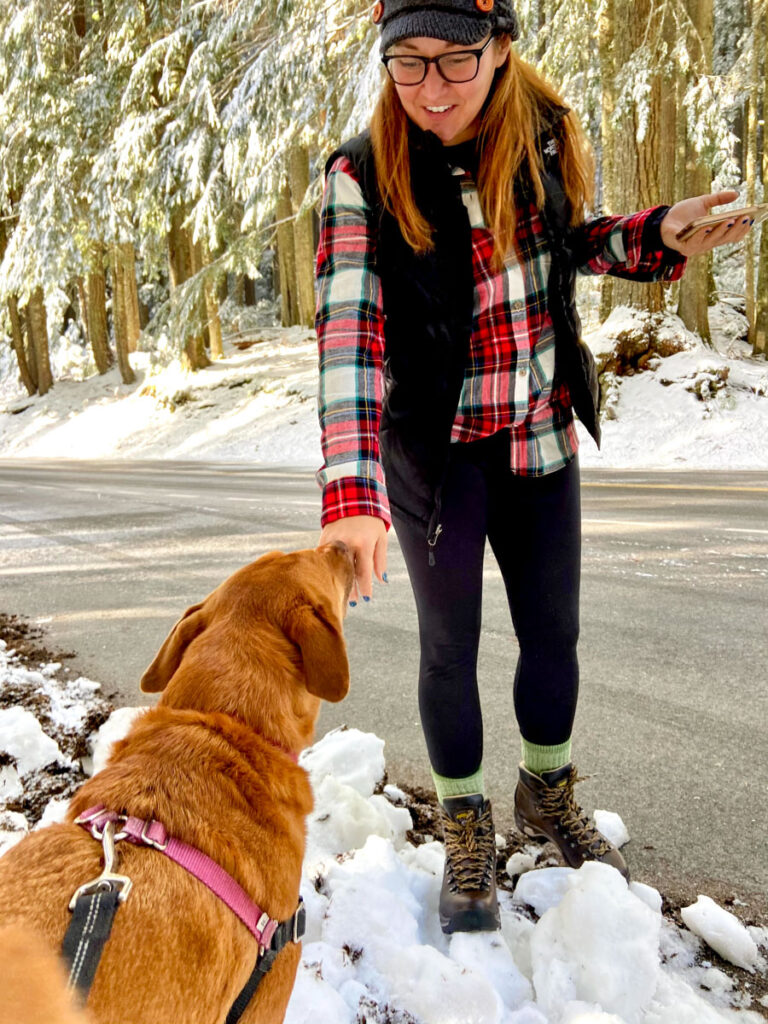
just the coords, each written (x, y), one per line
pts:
(507, 146)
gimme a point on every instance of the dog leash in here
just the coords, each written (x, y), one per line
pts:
(95, 903)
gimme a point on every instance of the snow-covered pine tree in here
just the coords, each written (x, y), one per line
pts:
(164, 133)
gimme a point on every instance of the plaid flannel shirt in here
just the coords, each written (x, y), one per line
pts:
(509, 375)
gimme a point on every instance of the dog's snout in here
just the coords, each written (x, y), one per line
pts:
(337, 547)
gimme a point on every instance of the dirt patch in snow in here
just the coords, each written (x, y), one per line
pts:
(27, 641)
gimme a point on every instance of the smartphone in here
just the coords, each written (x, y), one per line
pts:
(755, 213)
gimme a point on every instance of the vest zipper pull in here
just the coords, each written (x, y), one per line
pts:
(431, 541)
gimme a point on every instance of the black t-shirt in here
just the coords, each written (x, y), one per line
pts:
(464, 154)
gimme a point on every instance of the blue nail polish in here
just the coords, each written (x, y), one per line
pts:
(385, 577)
(366, 598)
(353, 604)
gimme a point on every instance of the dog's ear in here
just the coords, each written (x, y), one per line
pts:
(317, 632)
(168, 658)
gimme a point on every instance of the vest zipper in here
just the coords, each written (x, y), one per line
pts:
(432, 540)
(435, 527)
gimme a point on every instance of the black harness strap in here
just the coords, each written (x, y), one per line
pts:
(88, 931)
(91, 923)
(288, 931)
(95, 904)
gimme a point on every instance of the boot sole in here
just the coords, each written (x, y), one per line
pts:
(471, 921)
(542, 837)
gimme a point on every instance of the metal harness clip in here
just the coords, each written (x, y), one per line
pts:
(108, 879)
(299, 921)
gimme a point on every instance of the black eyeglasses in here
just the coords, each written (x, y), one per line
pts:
(456, 66)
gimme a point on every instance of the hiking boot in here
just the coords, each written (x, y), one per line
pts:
(468, 896)
(545, 808)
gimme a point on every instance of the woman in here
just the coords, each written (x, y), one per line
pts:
(451, 366)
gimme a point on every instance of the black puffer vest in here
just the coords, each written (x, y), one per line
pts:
(428, 306)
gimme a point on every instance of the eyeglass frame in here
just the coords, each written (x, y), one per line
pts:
(426, 61)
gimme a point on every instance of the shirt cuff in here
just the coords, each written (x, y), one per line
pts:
(672, 262)
(354, 496)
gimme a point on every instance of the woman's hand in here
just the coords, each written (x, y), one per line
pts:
(366, 537)
(682, 213)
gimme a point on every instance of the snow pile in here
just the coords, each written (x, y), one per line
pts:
(722, 931)
(44, 725)
(598, 921)
(374, 950)
(22, 738)
(695, 407)
(612, 827)
(575, 947)
(690, 406)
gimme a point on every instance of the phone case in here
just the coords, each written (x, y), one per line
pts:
(755, 213)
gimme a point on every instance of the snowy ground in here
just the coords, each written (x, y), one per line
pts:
(699, 408)
(575, 947)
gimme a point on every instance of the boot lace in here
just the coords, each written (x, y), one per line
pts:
(470, 851)
(559, 802)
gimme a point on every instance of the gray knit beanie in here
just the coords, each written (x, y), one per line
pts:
(456, 21)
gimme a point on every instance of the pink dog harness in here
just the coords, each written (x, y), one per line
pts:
(152, 833)
(95, 903)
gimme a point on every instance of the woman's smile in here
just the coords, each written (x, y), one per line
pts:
(452, 110)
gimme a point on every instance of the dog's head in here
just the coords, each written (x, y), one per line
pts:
(274, 624)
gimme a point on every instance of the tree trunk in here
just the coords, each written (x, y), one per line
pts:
(26, 368)
(196, 262)
(37, 325)
(17, 340)
(120, 314)
(30, 346)
(213, 320)
(750, 146)
(605, 43)
(760, 345)
(95, 312)
(238, 290)
(286, 259)
(693, 304)
(635, 176)
(180, 264)
(303, 235)
(133, 317)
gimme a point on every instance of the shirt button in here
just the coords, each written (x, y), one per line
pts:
(517, 305)
(522, 373)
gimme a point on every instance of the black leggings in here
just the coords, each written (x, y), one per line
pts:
(534, 528)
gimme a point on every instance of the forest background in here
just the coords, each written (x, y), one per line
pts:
(161, 160)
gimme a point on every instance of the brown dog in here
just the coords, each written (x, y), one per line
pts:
(34, 981)
(242, 675)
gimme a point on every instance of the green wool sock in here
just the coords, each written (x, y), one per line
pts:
(539, 759)
(458, 787)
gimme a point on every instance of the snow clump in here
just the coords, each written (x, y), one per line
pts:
(722, 932)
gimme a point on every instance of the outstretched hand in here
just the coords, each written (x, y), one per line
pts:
(366, 537)
(682, 213)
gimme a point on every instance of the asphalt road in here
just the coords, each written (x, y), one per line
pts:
(672, 716)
